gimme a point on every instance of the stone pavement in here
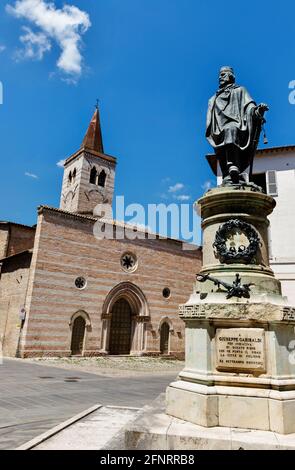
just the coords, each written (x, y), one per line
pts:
(35, 398)
(102, 429)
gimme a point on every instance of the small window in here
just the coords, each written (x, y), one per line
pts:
(129, 262)
(93, 174)
(102, 179)
(272, 186)
(80, 282)
(70, 177)
(166, 292)
(74, 174)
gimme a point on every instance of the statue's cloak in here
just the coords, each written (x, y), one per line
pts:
(230, 118)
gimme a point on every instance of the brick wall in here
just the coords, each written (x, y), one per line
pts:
(13, 287)
(21, 238)
(4, 237)
(65, 248)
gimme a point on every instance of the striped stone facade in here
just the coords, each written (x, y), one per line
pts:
(87, 295)
(65, 248)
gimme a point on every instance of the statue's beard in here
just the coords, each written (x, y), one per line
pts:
(225, 85)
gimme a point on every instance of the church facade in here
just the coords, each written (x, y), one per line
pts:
(65, 291)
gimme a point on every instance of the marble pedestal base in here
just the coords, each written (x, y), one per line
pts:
(240, 366)
(238, 408)
(239, 344)
(153, 429)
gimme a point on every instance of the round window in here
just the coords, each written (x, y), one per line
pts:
(166, 292)
(80, 282)
(129, 262)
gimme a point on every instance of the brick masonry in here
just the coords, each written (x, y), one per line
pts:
(13, 289)
(15, 238)
(66, 248)
(4, 239)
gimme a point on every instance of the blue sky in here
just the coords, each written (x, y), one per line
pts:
(153, 64)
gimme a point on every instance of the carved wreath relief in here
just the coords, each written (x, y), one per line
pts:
(236, 241)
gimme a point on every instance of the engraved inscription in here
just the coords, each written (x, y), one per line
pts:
(192, 311)
(240, 349)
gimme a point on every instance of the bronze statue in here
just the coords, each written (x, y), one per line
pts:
(234, 123)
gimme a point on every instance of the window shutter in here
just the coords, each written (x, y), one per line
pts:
(271, 181)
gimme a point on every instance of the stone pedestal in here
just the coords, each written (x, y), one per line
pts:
(153, 429)
(240, 361)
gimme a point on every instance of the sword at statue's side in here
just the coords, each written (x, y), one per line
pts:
(217, 282)
(236, 289)
(259, 112)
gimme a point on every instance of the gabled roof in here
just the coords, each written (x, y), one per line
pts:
(8, 222)
(116, 223)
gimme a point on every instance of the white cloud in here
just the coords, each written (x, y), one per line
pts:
(182, 197)
(31, 175)
(35, 45)
(60, 163)
(2, 47)
(175, 188)
(63, 25)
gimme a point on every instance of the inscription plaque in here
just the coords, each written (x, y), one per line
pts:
(240, 349)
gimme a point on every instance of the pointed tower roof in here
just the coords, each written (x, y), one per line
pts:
(93, 137)
(92, 142)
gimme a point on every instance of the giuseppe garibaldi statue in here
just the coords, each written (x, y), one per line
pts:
(234, 123)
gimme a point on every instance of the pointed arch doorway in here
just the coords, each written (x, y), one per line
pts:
(120, 332)
(164, 338)
(78, 335)
(125, 314)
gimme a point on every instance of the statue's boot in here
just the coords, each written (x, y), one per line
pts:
(234, 174)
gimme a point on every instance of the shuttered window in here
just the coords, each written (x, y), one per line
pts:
(271, 182)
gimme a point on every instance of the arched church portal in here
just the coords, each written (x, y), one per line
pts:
(120, 331)
(124, 318)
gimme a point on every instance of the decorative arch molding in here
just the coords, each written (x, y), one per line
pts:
(95, 191)
(69, 196)
(139, 313)
(134, 296)
(83, 314)
(169, 322)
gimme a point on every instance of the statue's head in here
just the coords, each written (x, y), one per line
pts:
(226, 76)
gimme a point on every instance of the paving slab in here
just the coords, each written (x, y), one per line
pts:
(34, 398)
(92, 432)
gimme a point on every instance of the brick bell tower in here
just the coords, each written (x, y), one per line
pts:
(89, 174)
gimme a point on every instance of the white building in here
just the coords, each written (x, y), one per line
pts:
(274, 170)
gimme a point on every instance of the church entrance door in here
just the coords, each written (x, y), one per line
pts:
(120, 334)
